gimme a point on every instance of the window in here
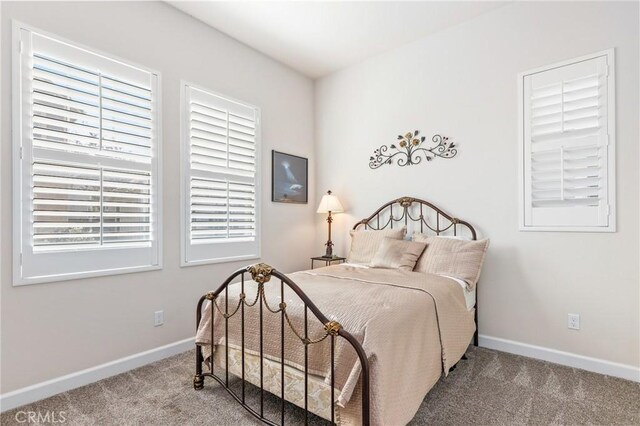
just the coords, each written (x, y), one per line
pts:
(567, 155)
(220, 196)
(86, 195)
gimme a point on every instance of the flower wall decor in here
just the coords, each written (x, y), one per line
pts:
(410, 149)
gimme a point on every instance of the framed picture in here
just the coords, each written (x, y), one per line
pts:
(289, 178)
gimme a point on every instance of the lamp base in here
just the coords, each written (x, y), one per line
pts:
(329, 252)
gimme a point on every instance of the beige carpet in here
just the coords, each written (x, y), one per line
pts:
(490, 388)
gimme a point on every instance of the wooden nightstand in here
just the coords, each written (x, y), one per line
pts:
(328, 260)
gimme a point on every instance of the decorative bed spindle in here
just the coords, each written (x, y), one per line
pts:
(262, 273)
(405, 204)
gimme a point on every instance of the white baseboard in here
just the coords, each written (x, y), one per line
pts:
(569, 359)
(52, 387)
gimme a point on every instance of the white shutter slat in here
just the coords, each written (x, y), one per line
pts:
(241, 210)
(69, 100)
(568, 106)
(120, 101)
(64, 125)
(60, 114)
(545, 101)
(125, 94)
(65, 106)
(209, 124)
(58, 73)
(126, 127)
(208, 133)
(68, 202)
(584, 103)
(112, 118)
(126, 206)
(66, 205)
(65, 68)
(44, 89)
(222, 209)
(58, 83)
(209, 209)
(209, 151)
(207, 162)
(213, 125)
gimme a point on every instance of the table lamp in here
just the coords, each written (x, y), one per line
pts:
(329, 204)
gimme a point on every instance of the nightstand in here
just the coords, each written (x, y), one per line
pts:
(328, 260)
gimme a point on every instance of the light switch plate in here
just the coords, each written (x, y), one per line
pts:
(158, 318)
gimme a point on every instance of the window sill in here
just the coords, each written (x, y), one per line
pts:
(597, 229)
(186, 264)
(20, 281)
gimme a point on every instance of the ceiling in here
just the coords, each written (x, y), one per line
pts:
(320, 37)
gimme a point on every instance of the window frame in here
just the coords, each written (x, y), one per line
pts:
(611, 147)
(21, 186)
(185, 175)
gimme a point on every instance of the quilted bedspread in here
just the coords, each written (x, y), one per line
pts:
(412, 326)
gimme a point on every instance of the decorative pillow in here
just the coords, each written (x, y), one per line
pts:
(365, 244)
(397, 254)
(448, 256)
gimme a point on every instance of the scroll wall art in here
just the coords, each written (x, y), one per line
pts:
(411, 148)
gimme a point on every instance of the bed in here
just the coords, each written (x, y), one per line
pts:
(349, 343)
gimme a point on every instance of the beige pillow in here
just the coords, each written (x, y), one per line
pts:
(455, 258)
(365, 244)
(397, 254)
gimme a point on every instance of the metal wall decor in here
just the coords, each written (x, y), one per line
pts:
(410, 150)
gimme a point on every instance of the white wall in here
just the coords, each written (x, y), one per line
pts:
(49, 330)
(462, 83)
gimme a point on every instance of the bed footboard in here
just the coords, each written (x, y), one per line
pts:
(262, 274)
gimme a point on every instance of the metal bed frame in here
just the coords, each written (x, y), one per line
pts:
(262, 273)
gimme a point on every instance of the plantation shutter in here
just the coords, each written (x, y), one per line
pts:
(221, 158)
(88, 152)
(567, 146)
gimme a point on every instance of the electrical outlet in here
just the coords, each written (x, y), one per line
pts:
(573, 321)
(158, 318)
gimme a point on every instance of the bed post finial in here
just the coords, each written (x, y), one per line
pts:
(260, 272)
(332, 328)
(406, 201)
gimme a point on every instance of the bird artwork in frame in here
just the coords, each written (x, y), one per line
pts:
(289, 178)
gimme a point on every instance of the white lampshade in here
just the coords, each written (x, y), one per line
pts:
(330, 203)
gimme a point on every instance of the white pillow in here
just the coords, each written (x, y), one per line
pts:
(452, 257)
(365, 244)
(397, 254)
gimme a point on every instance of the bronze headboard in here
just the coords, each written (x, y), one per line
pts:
(414, 210)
